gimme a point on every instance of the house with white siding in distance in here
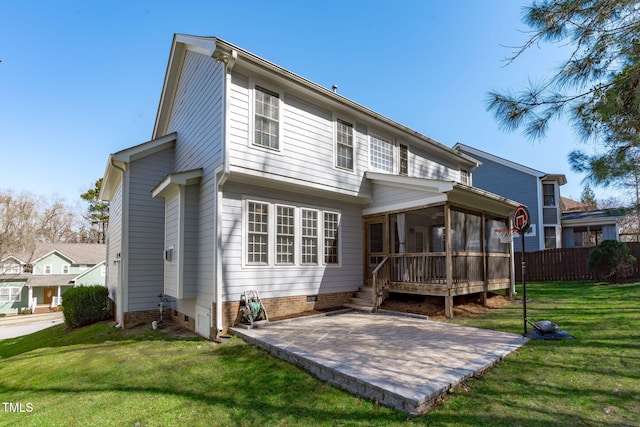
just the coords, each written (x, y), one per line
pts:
(257, 179)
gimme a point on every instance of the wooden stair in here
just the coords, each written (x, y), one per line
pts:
(362, 300)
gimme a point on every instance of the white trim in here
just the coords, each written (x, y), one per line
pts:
(499, 160)
(12, 295)
(272, 238)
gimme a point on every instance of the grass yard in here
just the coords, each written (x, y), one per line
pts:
(98, 376)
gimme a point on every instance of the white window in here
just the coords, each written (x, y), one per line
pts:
(381, 153)
(464, 177)
(344, 145)
(11, 268)
(404, 160)
(296, 235)
(549, 237)
(258, 233)
(47, 269)
(309, 236)
(285, 235)
(549, 194)
(266, 122)
(65, 269)
(331, 222)
(10, 294)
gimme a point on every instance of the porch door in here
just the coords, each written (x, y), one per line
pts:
(49, 292)
(376, 238)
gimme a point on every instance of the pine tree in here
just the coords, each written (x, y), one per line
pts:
(98, 212)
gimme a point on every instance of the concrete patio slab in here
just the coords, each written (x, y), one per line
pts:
(402, 362)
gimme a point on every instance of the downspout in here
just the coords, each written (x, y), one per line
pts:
(221, 174)
(120, 295)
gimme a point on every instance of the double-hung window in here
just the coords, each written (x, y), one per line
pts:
(266, 123)
(258, 233)
(381, 153)
(404, 160)
(331, 222)
(10, 294)
(309, 236)
(285, 235)
(549, 194)
(344, 145)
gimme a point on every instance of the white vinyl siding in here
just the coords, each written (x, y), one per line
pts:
(309, 236)
(344, 145)
(381, 153)
(266, 118)
(272, 280)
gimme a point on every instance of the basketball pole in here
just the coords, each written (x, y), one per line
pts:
(524, 287)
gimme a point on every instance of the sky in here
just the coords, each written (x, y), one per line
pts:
(82, 79)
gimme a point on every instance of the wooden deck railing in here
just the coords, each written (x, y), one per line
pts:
(430, 268)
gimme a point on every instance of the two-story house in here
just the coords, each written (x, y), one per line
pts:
(35, 281)
(258, 179)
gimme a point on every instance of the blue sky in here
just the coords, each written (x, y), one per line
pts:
(82, 79)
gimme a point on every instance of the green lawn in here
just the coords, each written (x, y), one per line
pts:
(97, 376)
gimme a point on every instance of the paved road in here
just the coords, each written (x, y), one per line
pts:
(17, 326)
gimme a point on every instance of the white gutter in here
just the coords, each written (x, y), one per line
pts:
(221, 175)
(124, 239)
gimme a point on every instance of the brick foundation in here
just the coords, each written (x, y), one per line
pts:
(133, 318)
(283, 306)
(183, 320)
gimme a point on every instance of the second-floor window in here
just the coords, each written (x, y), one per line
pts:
(549, 194)
(464, 177)
(404, 160)
(267, 113)
(47, 269)
(381, 153)
(344, 145)
(65, 269)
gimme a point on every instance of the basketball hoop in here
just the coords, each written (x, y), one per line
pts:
(505, 235)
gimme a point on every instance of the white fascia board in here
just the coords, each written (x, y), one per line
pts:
(410, 204)
(146, 148)
(55, 251)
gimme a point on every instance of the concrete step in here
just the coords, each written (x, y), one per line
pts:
(359, 307)
(358, 300)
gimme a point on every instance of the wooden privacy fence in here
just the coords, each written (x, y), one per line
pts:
(563, 264)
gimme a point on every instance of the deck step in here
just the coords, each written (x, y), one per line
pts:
(358, 307)
(358, 300)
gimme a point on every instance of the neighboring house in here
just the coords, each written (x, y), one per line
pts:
(36, 281)
(258, 179)
(584, 228)
(551, 227)
(538, 191)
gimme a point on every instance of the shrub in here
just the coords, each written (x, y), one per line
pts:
(611, 260)
(85, 305)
